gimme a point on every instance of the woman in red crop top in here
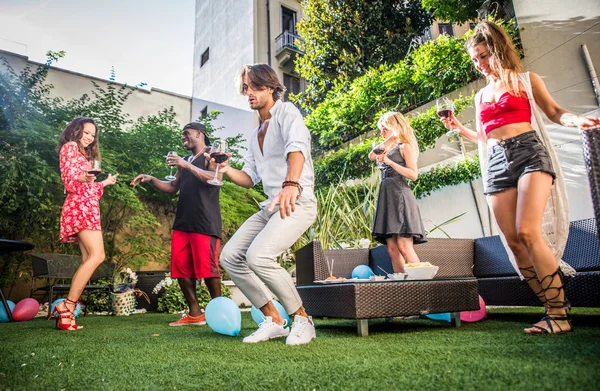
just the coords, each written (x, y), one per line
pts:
(80, 215)
(520, 171)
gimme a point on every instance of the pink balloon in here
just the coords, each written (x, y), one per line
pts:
(474, 316)
(25, 310)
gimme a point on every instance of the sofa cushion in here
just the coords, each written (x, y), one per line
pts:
(583, 249)
(379, 258)
(453, 256)
(491, 259)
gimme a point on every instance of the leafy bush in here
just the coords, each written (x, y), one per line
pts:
(346, 212)
(237, 205)
(342, 39)
(173, 301)
(352, 162)
(98, 300)
(31, 191)
(450, 174)
(433, 69)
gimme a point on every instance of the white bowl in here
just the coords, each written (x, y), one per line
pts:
(397, 276)
(421, 272)
(377, 278)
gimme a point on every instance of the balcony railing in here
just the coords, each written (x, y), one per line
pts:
(287, 40)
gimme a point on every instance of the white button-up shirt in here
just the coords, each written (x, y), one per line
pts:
(286, 133)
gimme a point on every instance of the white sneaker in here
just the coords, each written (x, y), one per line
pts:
(268, 330)
(303, 331)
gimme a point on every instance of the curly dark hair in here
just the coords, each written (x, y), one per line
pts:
(74, 132)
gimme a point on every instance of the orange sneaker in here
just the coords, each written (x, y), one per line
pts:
(187, 320)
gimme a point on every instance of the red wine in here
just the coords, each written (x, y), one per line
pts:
(219, 157)
(94, 172)
(378, 151)
(444, 113)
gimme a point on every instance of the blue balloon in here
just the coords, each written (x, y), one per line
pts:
(362, 272)
(443, 316)
(223, 316)
(55, 303)
(3, 314)
(258, 316)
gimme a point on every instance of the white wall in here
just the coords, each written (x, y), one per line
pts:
(227, 28)
(552, 32)
(232, 120)
(142, 102)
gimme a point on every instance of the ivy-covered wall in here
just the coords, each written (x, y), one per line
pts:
(351, 162)
(432, 70)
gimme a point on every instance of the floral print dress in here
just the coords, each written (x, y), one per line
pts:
(81, 209)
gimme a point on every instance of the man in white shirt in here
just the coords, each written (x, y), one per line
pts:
(279, 156)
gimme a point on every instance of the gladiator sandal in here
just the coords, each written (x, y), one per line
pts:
(531, 278)
(552, 294)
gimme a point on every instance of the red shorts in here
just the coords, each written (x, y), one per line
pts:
(194, 255)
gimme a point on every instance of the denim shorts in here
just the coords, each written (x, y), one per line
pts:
(514, 157)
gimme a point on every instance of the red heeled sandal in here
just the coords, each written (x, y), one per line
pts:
(65, 314)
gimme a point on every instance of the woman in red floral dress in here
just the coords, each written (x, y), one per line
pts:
(80, 217)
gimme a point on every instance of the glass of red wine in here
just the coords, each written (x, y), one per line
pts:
(171, 177)
(96, 168)
(378, 149)
(218, 151)
(445, 109)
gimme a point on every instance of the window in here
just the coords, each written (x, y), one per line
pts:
(288, 20)
(204, 57)
(292, 85)
(472, 25)
(445, 28)
(204, 112)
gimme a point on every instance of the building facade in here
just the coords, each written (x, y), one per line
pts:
(232, 33)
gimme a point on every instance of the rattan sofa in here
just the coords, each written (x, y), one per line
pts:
(500, 285)
(454, 289)
(460, 259)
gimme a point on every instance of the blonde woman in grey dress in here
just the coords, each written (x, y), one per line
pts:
(398, 222)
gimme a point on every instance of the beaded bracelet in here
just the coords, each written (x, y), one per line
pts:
(293, 183)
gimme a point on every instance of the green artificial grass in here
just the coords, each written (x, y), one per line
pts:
(143, 352)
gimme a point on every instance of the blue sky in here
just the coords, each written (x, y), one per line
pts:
(149, 41)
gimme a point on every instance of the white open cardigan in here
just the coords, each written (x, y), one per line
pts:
(555, 223)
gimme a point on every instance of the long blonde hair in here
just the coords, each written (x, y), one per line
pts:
(504, 59)
(400, 127)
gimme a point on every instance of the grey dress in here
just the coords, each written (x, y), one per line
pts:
(397, 210)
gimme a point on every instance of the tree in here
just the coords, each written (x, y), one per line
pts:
(344, 38)
(234, 143)
(456, 11)
(31, 191)
(461, 11)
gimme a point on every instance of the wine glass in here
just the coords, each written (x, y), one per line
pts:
(96, 167)
(218, 151)
(445, 109)
(171, 177)
(378, 148)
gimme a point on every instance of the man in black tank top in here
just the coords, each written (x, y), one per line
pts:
(197, 228)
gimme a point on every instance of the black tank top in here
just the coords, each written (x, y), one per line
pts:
(198, 208)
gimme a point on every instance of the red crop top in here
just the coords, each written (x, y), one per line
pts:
(508, 109)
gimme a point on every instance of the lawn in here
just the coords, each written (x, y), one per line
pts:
(142, 352)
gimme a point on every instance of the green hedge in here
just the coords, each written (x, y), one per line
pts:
(352, 162)
(451, 174)
(434, 69)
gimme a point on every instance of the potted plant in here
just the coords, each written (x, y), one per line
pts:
(122, 295)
